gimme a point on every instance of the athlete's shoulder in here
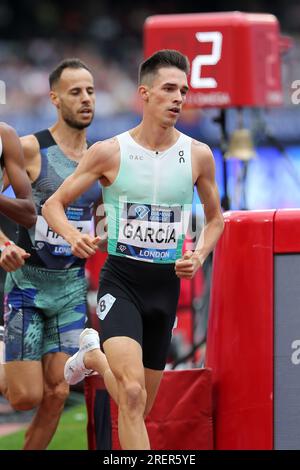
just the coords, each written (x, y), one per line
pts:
(201, 150)
(7, 131)
(103, 154)
(203, 159)
(5, 127)
(105, 147)
(200, 146)
(30, 144)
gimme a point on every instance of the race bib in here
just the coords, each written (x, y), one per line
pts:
(149, 231)
(46, 238)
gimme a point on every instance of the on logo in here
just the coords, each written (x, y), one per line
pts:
(141, 211)
(181, 159)
(122, 248)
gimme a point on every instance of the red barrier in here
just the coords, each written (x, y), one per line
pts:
(253, 331)
(240, 332)
(287, 231)
(181, 417)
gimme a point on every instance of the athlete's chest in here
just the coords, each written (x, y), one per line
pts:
(55, 169)
(163, 179)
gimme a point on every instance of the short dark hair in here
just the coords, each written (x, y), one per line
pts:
(163, 58)
(73, 63)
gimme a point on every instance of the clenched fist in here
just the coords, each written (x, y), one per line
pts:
(187, 266)
(13, 257)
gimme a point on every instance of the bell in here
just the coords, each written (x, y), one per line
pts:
(241, 145)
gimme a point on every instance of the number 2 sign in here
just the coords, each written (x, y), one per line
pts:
(215, 37)
(234, 56)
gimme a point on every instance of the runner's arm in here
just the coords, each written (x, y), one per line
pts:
(187, 266)
(89, 170)
(21, 209)
(209, 196)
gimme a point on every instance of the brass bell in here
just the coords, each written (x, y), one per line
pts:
(241, 145)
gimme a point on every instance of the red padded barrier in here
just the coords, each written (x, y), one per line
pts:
(240, 332)
(181, 417)
(287, 231)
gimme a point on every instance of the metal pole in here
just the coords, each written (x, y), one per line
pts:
(221, 120)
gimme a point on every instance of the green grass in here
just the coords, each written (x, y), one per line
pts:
(70, 435)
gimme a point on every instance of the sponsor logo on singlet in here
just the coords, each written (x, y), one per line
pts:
(141, 212)
(149, 231)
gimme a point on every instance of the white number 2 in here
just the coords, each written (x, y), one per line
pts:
(212, 59)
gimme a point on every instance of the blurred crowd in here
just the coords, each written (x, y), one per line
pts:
(35, 35)
(26, 76)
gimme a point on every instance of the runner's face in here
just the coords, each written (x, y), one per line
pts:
(76, 97)
(167, 94)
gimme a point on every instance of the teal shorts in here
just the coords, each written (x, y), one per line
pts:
(44, 312)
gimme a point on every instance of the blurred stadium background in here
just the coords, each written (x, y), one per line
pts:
(108, 35)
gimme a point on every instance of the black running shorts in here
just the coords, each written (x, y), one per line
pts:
(138, 299)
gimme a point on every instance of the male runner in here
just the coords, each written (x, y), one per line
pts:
(148, 175)
(21, 209)
(46, 298)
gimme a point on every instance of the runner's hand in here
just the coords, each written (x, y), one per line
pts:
(187, 266)
(13, 257)
(84, 246)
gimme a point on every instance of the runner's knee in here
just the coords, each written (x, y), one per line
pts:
(23, 400)
(134, 397)
(56, 393)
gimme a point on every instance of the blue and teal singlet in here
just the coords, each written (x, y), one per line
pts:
(47, 249)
